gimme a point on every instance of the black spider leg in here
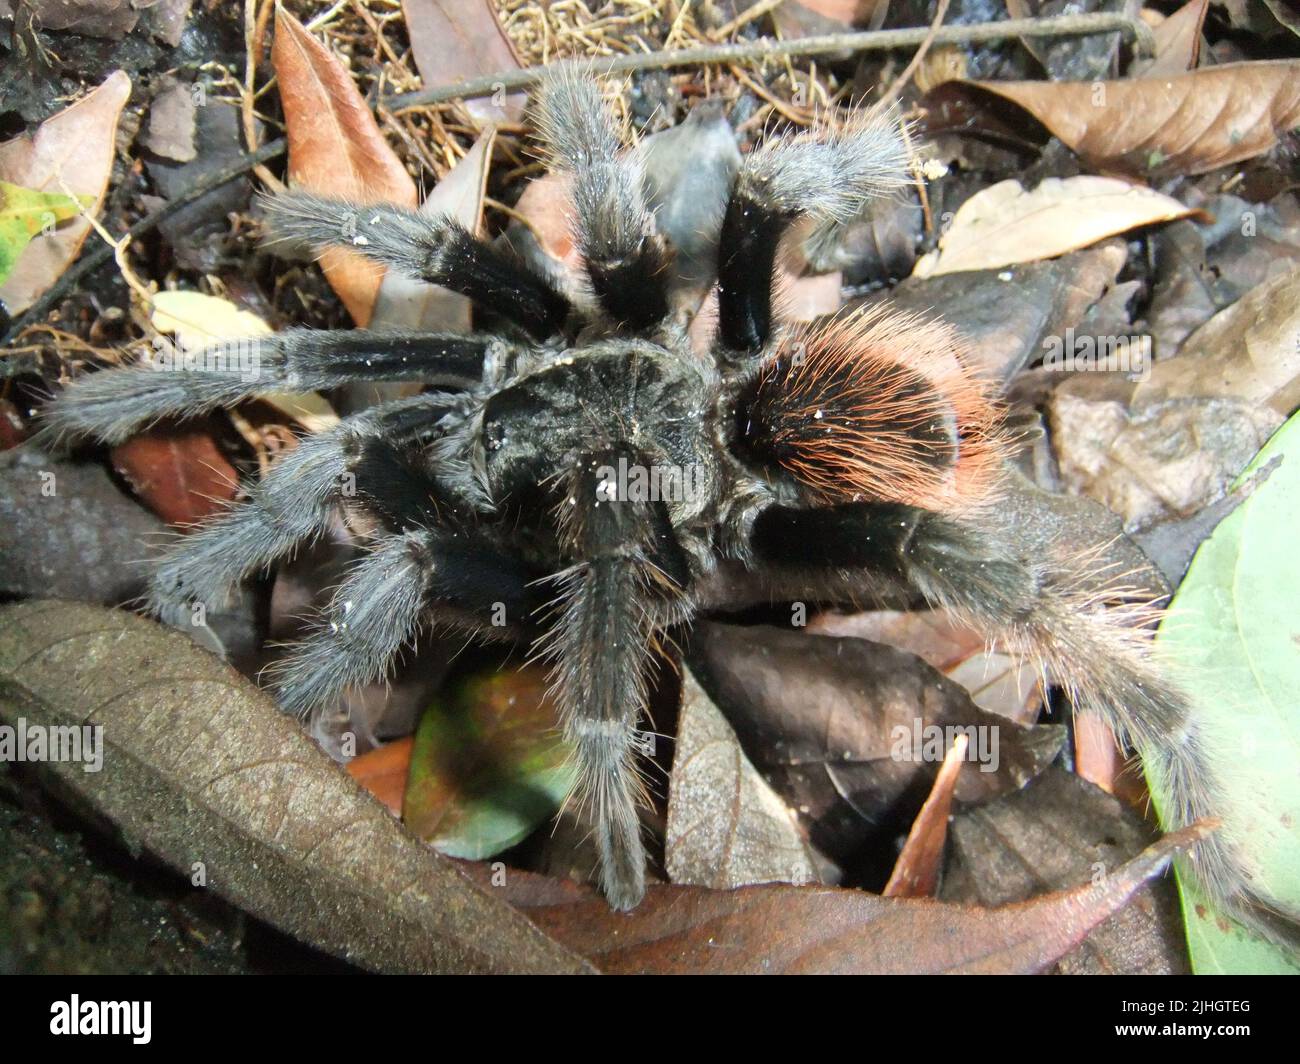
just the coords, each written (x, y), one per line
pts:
(407, 579)
(434, 249)
(625, 257)
(830, 178)
(115, 404)
(287, 507)
(627, 582)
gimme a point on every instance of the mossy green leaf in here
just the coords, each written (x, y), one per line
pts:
(1232, 638)
(24, 213)
(488, 765)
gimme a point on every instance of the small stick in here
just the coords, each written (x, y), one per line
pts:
(769, 48)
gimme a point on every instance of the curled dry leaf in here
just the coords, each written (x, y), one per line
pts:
(199, 766)
(726, 826)
(1247, 351)
(916, 872)
(770, 930)
(1178, 42)
(1005, 224)
(71, 153)
(335, 149)
(1162, 126)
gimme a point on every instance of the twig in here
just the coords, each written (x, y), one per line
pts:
(900, 83)
(253, 27)
(769, 48)
(748, 15)
(94, 259)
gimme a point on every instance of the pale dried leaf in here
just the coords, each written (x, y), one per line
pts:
(1005, 224)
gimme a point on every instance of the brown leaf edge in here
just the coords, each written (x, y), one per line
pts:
(820, 930)
(201, 769)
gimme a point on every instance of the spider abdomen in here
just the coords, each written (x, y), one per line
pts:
(874, 406)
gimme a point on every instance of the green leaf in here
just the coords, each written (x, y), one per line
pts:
(1233, 636)
(488, 765)
(24, 213)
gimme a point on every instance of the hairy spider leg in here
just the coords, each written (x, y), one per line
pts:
(434, 249)
(288, 507)
(113, 406)
(624, 256)
(819, 176)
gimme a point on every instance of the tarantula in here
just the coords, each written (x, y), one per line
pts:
(834, 463)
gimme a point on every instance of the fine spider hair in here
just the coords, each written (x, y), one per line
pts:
(580, 478)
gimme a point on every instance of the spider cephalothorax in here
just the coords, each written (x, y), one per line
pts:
(824, 464)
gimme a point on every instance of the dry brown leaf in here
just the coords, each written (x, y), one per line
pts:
(782, 929)
(453, 40)
(71, 152)
(1178, 42)
(1005, 224)
(178, 473)
(202, 770)
(1246, 351)
(335, 149)
(726, 826)
(1158, 127)
(383, 772)
(997, 682)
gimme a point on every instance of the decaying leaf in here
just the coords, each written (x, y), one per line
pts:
(772, 929)
(66, 530)
(1061, 830)
(178, 473)
(202, 770)
(916, 872)
(1247, 351)
(25, 213)
(1161, 126)
(839, 727)
(71, 153)
(1005, 224)
(726, 826)
(488, 765)
(1157, 460)
(384, 770)
(335, 149)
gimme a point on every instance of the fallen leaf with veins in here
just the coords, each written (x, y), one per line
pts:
(1161, 126)
(200, 766)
